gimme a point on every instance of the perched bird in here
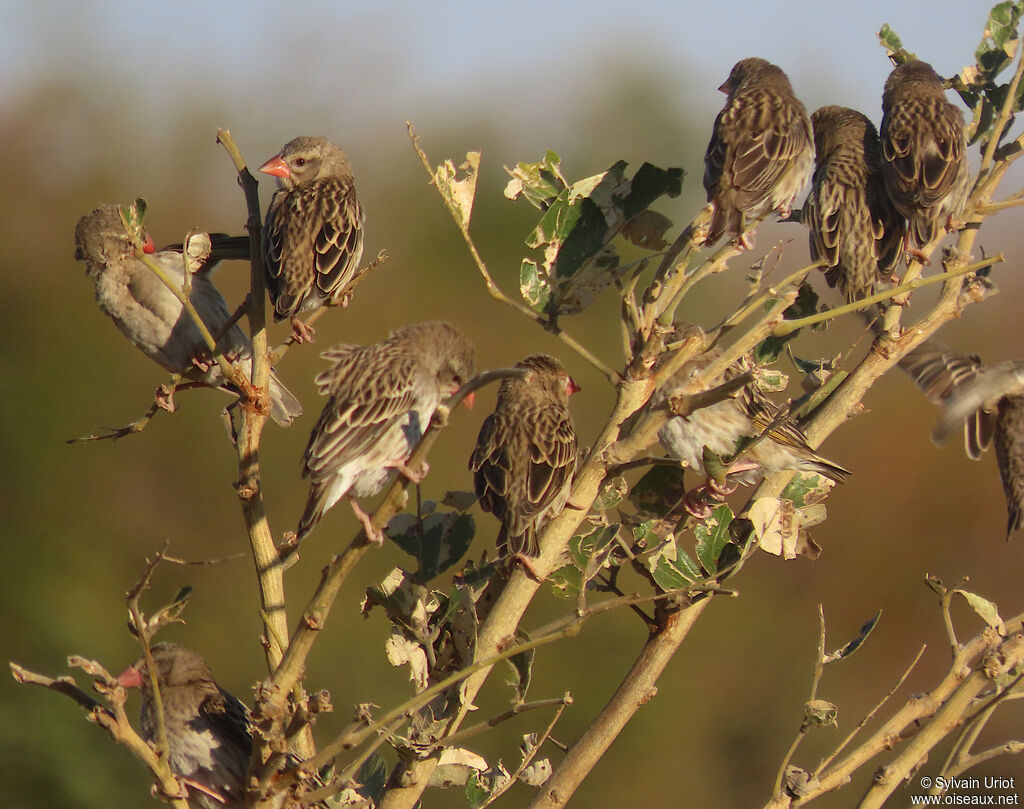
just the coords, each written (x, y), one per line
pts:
(313, 233)
(761, 152)
(150, 315)
(208, 737)
(381, 398)
(924, 151)
(988, 401)
(854, 226)
(526, 453)
(747, 415)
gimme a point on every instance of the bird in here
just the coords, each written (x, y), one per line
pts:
(209, 731)
(924, 152)
(313, 233)
(854, 226)
(380, 399)
(748, 415)
(761, 152)
(152, 317)
(988, 401)
(526, 453)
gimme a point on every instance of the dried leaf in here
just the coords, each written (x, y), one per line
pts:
(821, 712)
(647, 229)
(987, 610)
(401, 651)
(851, 647)
(459, 192)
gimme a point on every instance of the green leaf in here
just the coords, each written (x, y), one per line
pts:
(534, 286)
(539, 182)
(851, 647)
(522, 668)
(658, 491)
(372, 777)
(806, 304)
(476, 791)
(566, 582)
(893, 44)
(807, 489)
(674, 574)
(712, 536)
(613, 492)
(444, 539)
(1000, 40)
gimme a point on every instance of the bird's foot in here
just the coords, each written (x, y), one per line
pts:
(415, 475)
(373, 533)
(302, 332)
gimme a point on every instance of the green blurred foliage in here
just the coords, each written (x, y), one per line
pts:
(80, 520)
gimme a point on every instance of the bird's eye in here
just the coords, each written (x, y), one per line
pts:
(300, 162)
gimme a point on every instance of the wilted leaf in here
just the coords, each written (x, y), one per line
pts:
(1000, 40)
(779, 527)
(851, 647)
(807, 488)
(455, 766)
(400, 651)
(613, 491)
(821, 712)
(459, 192)
(538, 182)
(566, 581)
(770, 379)
(987, 610)
(522, 669)
(537, 773)
(534, 286)
(647, 229)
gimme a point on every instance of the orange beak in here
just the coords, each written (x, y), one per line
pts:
(469, 400)
(131, 677)
(147, 244)
(276, 167)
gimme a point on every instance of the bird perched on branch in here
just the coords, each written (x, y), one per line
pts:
(381, 398)
(152, 317)
(988, 401)
(526, 453)
(854, 226)
(924, 152)
(313, 233)
(761, 152)
(776, 443)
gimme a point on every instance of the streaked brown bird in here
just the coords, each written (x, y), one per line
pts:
(526, 453)
(771, 443)
(381, 398)
(313, 234)
(854, 226)
(152, 317)
(924, 152)
(988, 401)
(209, 732)
(761, 152)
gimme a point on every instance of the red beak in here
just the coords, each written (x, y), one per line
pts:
(131, 677)
(276, 167)
(469, 400)
(571, 387)
(147, 244)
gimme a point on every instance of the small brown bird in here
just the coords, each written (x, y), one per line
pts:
(152, 317)
(749, 414)
(854, 226)
(761, 152)
(924, 152)
(526, 453)
(208, 733)
(988, 401)
(381, 398)
(313, 234)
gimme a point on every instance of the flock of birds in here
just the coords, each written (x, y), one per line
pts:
(875, 197)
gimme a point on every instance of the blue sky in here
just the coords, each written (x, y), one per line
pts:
(385, 60)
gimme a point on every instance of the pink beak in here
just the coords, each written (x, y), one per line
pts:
(571, 387)
(469, 400)
(131, 677)
(276, 167)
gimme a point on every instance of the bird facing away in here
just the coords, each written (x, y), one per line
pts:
(748, 414)
(152, 317)
(924, 151)
(313, 234)
(761, 152)
(526, 453)
(208, 736)
(381, 398)
(854, 226)
(988, 401)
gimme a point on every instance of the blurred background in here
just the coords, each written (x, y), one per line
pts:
(109, 101)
